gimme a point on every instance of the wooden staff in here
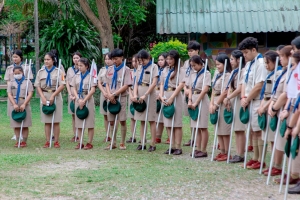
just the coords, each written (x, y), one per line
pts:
(234, 110)
(268, 120)
(199, 112)
(53, 114)
(216, 130)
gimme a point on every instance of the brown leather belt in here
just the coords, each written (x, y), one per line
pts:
(197, 92)
(144, 84)
(157, 88)
(171, 89)
(217, 94)
(267, 98)
(49, 91)
(20, 98)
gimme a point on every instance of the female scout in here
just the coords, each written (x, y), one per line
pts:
(83, 96)
(114, 90)
(144, 90)
(233, 88)
(72, 71)
(168, 93)
(108, 69)
(16, 91)
(278, 89)
(197, 94)
(217, 101)
(162, 66)
(45, 84)
(131, 96)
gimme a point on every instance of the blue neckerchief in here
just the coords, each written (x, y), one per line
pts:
(134, 76)
(106, 67)
(198, 74)
(143, 71)
(249, 69)
(81, 83)
(279, 68)
(75, 70)
(166, 85)
(159, 73)
(277, 81)
(234, 72)
(48, 80)
(115, 76)
(188, 70)
(15, 65)
(262, 92)
(19, 82)
(289, 77)
(296, 104)
(289, 106)
(217, 77)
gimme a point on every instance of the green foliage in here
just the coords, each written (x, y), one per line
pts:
(68, 36)
(3, 93)
(173, 44)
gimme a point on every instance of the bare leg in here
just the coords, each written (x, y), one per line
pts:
(73, 124)
(56, 131)
(204, 139)
(123, 131)
(226, 139)
(153, 132)
(198, 142)
(91, 135)
(160, 130)
(178, 137)
(47, 131)
(222, 145)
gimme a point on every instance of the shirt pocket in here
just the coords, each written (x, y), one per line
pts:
(53, 81)
(146, 77)
(23, 89)
(13, 90)
(269, 87)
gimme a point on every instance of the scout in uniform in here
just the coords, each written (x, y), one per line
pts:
(233, 89)
(131, 112)
(82, 95)
(193, 49)
(255, 65)
(197, 95)
(108, 69)
(114, 89)
(217, 102)
(168, 92)
(72, 71)
(162, 66)
(45, 83)
(144, 89)
(16, 91)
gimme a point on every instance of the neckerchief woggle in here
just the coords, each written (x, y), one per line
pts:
(262, 92)
(48, 80)
(115, 76)
(19, 82)
(143, 71)
(249, 69)
(196, 79)
(81, 83)
(166, 85)
(234, 72)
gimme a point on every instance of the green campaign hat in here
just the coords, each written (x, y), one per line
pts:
(169, 111)
(283, 128)
(194, 113)
(72, 106)
(104, 105)
(295, 147)
(140, 107)
(287, 148)
(114, 108)
(131, 108)
(158, 106)
(262, 121)
(273, 123)
(18, 116)
(82, 113)
(244, 115)
(228, 116)
(47, 110)
(214, 117)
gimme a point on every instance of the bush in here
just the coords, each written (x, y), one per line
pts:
(173, 44)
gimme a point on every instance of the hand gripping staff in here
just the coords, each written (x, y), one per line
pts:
(216, 130)
(53, 114)
(200, 107)
(147, 109)
(234, 111)
(250, 117)
(173, 118)
(87, 102)
(29, 68)
(116, 118)
(268, 120)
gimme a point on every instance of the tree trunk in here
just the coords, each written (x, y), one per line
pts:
(102, 24)
(36, 35)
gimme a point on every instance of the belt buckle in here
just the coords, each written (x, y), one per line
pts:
(49, 91)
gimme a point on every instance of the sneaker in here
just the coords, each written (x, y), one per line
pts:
(167, 141)
(14, 137)
(256, 165)
(122, 146)
(46, 145)
(78, 146)
(73, 139)
(108, 147)
(23, 144)
(130, 140)
(218, 156)
(157, 140)
(223, 158)
(108, 139)
(249, 163)
(56, 145)
(250, 148)
(88, 146)
(274, 172)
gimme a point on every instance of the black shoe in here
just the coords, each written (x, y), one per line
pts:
(200, 154)
(196, 151)
(167, 152)
(151, 148)
(295, 189)
(236, 159)
(140, 147)
(130, 140)
(177, 152)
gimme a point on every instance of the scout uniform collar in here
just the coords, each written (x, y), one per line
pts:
(251, 63)
(115, 76)
(75, 70)
(48, 80)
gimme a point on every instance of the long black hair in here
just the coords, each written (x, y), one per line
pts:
(271, 56)
(52, 56)
(165, 55)
(198, 60)
(237, 54)
(19, 53)
(175, 55)
(86, 63)
(221, 58)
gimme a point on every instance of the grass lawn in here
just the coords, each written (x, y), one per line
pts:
(65, 173)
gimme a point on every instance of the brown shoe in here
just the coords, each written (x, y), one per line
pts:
(88, 146)
(140, 147)
(200, 154)
(73, 139)
(23, 144)
(56, 145)
(223, 158)
(78, 146)
(151, 148)
(130, 140)
(108, 147)
(47, 145)
(108, 139)
(187, 144)
(196, 151)
(291, 182)
(167, 152)
(167, 141)
(122, 146)
(177, 152)
(157, 140)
